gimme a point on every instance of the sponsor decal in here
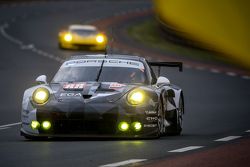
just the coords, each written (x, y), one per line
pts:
(150, 125)
(70, 94)
(74, 86)
(151, 118)
(107, 63)
(116, 85)
(150, 112)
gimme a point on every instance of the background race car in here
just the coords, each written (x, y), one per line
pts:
(103, 96)
(85, 37)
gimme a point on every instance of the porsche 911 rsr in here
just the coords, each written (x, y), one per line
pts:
(82, 37)
(103, 96)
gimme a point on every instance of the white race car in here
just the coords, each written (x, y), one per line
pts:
(103, 96)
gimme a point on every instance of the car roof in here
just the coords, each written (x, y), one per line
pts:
(110, 56)
(84, 27)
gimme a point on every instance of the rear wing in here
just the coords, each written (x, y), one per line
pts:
(166, 64)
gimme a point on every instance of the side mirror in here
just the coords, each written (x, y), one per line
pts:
(42, 79)
(162, 81)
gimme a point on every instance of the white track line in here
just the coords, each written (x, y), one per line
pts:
(232, 74)
(228, 138)
(186, 149)
(4, 128)
(122, 163)
(187, 66)
(200, 68)
(213, 70)
(8, 125)
(7, 36)
(245, 77)
(248, 131)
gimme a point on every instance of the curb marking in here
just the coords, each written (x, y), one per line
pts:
(186, 149)
(228, 138)
(122, 163)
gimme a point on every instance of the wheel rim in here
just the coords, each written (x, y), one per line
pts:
(180, 113)
(161, 121)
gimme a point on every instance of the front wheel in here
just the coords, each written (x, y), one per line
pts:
(161, 120)
(176, 127)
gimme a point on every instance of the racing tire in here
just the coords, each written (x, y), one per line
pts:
(161, 118)
(176, 127)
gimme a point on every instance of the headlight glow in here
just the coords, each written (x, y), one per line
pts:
(137, 126)
(35, 124)
(41, 95)
(68, 37)
(46, 125)
(100, 38)
(136, 97)
(123, 126)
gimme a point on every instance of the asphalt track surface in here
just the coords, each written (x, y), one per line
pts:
(217, 104)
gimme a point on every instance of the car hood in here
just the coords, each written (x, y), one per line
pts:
(90, 91)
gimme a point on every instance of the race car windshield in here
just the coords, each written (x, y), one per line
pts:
(108, 74)
(84, 32)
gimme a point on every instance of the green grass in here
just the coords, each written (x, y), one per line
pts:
(148, 33)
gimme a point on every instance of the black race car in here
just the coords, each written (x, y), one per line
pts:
(103, 96)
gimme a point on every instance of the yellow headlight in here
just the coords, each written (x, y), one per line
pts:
(136, 97)
(46, 125)
(35, 124)
(137, 126)
(68, 37)
(41, 95)
(123, 126)
(100, 38)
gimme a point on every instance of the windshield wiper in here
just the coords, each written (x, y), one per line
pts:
(100, 70)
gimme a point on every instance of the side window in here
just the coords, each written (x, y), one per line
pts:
(152, 74)
(154, 79)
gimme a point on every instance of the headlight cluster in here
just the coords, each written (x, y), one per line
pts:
(125, 126)
(68, 37)
(41, 95)
(100, 38)
(45, 125)
(136, 97)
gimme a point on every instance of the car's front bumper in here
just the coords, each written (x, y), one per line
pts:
(99, 120)
(82, 45)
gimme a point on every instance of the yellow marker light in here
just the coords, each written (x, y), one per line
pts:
(137, 126)
(41, 95)
(35, 124)
(46, 125)
(123, 126)
(68, 37)
(100, 38)
(136, 97)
